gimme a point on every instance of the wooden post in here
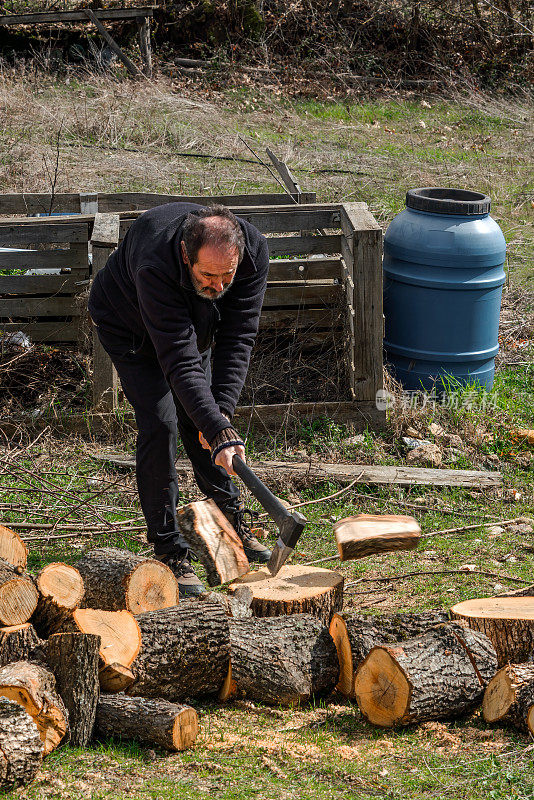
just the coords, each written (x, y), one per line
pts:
(144, 45)
(130, 66)
(104, 241)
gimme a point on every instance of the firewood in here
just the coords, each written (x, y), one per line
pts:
(507, 621)
(509, 697)
(118, 630)
(115, 678)
(118, 579)
(34, 688)
(355, 635)
(295, 590)
(61, 590)
(21, 748)
(18, 643)
(18, 595)
(73, 658)
(282, 660)
(168, 725)
(212, 538)
(185, 651)
(369, 534)
(441, 673)
(12, 548)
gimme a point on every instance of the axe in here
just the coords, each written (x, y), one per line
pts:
(290, 523)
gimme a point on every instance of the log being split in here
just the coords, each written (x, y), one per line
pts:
(18, 595)
(369, 535)
(73, 658)
(295, 590)
(509, 697)
(185, 651)
(355, 635)
(507, 621)
(61, 591)
(282, 660)
(440, 674)
(34, 688)
(118, 579)
(21, 748)
(12, 548)
(19, 643)
(171, 726)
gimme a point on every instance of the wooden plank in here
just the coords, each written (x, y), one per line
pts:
(13, 234)
(105, 230)
(132, 201)
(304, 269)
(128, 63)
(281, 221)
(39, 284)
(318, 296)
(303, 245)
(293, 319)
(38, 307)
(79, 252)
(47, 17)
(39, 259)
(38, 203)
(105, 380)
(45, 331)
(145, 46)
(283, 170)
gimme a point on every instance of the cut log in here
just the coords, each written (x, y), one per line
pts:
(115, 678)
(185, 652)
(295, 590)
(509, 697)
(73, 658)
(440, 674)
(507, 621)
(171, 726)
(61, 590)
(355, 635)
(18, 643)
(118, 630)
(118, 579)
(21, 748)
(18, 595)
(212, 538)
(34, 688)
(12, 548)
(370, 534)
(283, 660)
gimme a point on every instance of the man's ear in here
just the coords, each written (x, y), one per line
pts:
(184, 252)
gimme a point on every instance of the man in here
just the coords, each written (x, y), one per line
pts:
(184, 289)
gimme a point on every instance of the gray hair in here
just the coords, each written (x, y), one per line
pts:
(196, 233)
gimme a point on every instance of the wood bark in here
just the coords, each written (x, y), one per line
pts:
(370, 534)
(73, 658)
(18, 595)
(118, 579)
(18, 643)
(295, 590)
(507, 621)
(118, 630)
(185, 651)
(212, 538)
(355, 635)
(34, 688)
(442, 673)
(61, 590)
(21, 748)
(12, 548)
(509, 696)
(283, 660)
(171, 726)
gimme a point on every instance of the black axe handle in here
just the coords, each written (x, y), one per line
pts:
(270, 503)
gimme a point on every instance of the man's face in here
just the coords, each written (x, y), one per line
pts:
(214, 270)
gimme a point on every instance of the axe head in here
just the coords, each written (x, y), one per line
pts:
(290, 532)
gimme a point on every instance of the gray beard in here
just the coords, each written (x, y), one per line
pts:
(202, 293)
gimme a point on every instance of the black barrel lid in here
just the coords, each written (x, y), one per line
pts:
(448, 201)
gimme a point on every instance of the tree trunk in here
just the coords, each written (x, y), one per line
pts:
(73, 658)
(369, 534)
(18, 595)
(61, 590)
(12, 548)
(507, 621)
(18, 643)
(21, 748)
(439, 674)
(283, 660)
(295, 590)
(355, 635)
(34, 688)
(211, 537)
(118, 630)
(171, 726)
(509, 696)
(117, 579)
(185, 651)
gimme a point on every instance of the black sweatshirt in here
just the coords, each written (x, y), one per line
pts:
(147, 287)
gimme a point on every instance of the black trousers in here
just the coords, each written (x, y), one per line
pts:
(160, 416)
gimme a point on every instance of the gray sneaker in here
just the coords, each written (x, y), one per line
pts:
(180, 563)
(254, 550)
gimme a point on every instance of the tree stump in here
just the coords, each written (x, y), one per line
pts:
(21, 748)
(34, 688)
(61, 590)
(507, 621)
(509, 697)
(442, 673)
(185, 651)
(282, 660)
(168, 725)
(118, 579)
(73, 658)
(370, 534)
(296, 589)
(18, 595)
(18, 643)
(355, 635)
(12, 548)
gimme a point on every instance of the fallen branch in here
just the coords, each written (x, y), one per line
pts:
(392, 578)
(477, 525)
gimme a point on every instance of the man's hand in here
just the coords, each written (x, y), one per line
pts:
(224, 458)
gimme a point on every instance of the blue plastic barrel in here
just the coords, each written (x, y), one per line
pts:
(443, 278)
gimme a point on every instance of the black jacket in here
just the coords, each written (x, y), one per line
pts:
(146, 286)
